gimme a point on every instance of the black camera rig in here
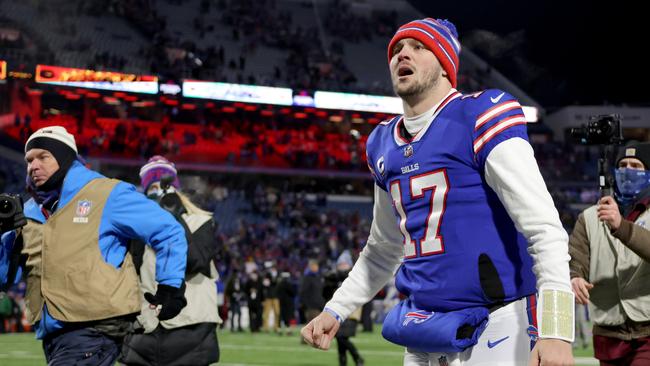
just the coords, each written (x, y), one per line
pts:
(11, 212)
(605, 131)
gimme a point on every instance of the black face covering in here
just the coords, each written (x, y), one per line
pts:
(48, 193)
(54, 182)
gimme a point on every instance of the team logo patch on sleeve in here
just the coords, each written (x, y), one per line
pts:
(81, 214)
(532, 332)
(381, 168)
(417, 317)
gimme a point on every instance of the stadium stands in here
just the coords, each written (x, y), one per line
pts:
(289, 43)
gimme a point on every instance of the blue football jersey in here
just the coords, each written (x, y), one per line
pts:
(461, 249)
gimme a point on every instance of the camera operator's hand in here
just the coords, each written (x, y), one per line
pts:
(608, 212)
(171, 300)
(581, 289)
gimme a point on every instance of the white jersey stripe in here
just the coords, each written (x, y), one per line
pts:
(496, 129)
(495, 111)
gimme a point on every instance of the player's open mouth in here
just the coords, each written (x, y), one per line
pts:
(404, 71)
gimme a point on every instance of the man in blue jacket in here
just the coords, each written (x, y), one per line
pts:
(82, 287)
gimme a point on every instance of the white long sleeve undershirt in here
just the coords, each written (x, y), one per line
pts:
(415, 124)
(512, 172)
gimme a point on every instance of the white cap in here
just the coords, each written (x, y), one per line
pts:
(54, 132)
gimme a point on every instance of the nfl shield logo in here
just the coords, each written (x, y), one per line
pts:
(408, 151)
(442, 361)
(83, 208)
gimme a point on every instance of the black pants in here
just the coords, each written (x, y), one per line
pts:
(255, 316)
(345, 345)
(192, 345)
(80, 347)
(235, 309)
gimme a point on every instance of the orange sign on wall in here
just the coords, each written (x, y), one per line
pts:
(3, 69)
(46, 73)
(106, 80)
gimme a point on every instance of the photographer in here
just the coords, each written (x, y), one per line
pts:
(190, 338)
(610, 254)
(79, 224)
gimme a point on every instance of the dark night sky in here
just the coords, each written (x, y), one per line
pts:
(600, 50)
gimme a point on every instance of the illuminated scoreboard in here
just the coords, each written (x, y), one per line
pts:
(105, 80)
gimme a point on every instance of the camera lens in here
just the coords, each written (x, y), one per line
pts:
(7, 207)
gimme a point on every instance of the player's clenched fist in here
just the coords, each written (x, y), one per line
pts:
(551, 352)
(320, 331)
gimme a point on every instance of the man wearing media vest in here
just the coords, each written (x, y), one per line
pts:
(82, 287)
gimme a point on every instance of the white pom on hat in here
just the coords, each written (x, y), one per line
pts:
(58, 133)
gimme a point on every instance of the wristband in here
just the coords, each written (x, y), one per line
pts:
(334, 314)
(556, 312)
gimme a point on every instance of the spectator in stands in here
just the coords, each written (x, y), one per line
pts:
(79, 227)
(190, 338)
(610, 263)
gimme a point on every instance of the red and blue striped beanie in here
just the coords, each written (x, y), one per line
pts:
(438, 35)
(156, 169)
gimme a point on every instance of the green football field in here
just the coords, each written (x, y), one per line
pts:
(246, 349)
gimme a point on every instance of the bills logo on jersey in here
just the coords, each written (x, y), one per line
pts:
(532, 332)
(381, 167)
(83, 208)
(417, 317)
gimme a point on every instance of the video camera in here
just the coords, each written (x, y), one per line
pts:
(606, 131)
(170, 201)
(11, 212)
(601, 130)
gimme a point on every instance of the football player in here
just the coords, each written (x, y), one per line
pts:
(464, 220)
